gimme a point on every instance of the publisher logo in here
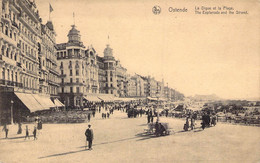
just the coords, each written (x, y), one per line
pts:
(156, 10)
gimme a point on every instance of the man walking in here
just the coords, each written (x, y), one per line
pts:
(89, 137)
(5, 129)
(35, 133)
(27, 133)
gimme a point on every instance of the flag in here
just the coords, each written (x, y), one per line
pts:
(51, 9)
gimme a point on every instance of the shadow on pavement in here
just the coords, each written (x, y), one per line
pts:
(72, 152)
(61, 154)
(15, 137)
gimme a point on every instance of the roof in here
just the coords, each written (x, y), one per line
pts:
(74, 31)
(50, 25)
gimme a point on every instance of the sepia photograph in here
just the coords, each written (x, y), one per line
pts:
(134, 81)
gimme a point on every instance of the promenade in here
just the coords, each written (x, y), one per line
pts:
(121, 139)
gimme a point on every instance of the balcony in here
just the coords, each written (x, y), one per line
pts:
(8, 60)
(32, 72)
(15, 24)
(18, 64)
(10, 83)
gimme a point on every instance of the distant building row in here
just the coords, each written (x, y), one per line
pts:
(32, 65)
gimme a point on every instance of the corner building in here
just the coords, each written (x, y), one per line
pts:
(78, 69)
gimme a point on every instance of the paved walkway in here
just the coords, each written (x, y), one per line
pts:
(121, 139)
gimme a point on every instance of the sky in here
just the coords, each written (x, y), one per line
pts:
(195, 54)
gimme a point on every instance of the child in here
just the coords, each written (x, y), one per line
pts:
(27, 132)
(34, 133)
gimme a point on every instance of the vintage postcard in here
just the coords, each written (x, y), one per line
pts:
(130, 81)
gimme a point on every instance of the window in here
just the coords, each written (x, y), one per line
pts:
(3, 74)
(62, 80)
(77, 72)
(106, 65)
(62, 89)
(61, 72)
(71, 80)
(77, 80)
(7, 52)
(8, 74)
(111, 73)
(77, 89)
(71, 89)
(70, 72)
(111, 79)
(61, 65)
(6, 30)
(2, 50)
(111, 85)
(16, 77)
(11, 34)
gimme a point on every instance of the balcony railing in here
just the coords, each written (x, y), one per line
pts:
(10, 83)
(19, 64)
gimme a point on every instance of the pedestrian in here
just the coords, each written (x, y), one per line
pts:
(89, 137)
(108, 114)
(186, 125)
(27, 132)
(6, 129)
(157, 130)
(93, 113)
(151, 118)
(88, 117)
(192, 123)
(39, 127)
(35, 133)
(19, 128)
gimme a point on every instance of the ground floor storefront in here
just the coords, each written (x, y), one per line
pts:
(16, 106)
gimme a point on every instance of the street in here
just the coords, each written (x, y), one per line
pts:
(122, 139)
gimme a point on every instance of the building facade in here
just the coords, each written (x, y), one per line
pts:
(101, 74)
(78, 69)
(49, 80)
(72, 65)
(121, 79)
(110, 71)
(21, 56)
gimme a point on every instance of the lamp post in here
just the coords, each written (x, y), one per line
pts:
(12, 118)
(157, 95)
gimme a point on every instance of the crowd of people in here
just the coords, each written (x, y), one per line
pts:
(133, 109)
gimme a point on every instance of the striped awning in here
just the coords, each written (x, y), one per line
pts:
(92, 98)
(44, 101)
(58, 103)
(29, 101)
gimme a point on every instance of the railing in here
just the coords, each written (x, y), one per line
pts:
(10, 83)
(18, 64)
(14, 24)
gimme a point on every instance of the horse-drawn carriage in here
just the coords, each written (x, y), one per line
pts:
(158, 129)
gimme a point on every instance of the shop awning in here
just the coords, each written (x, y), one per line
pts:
(44, 101)
(58, 103)
(29, 101)
(92, 98)
(106, 97)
